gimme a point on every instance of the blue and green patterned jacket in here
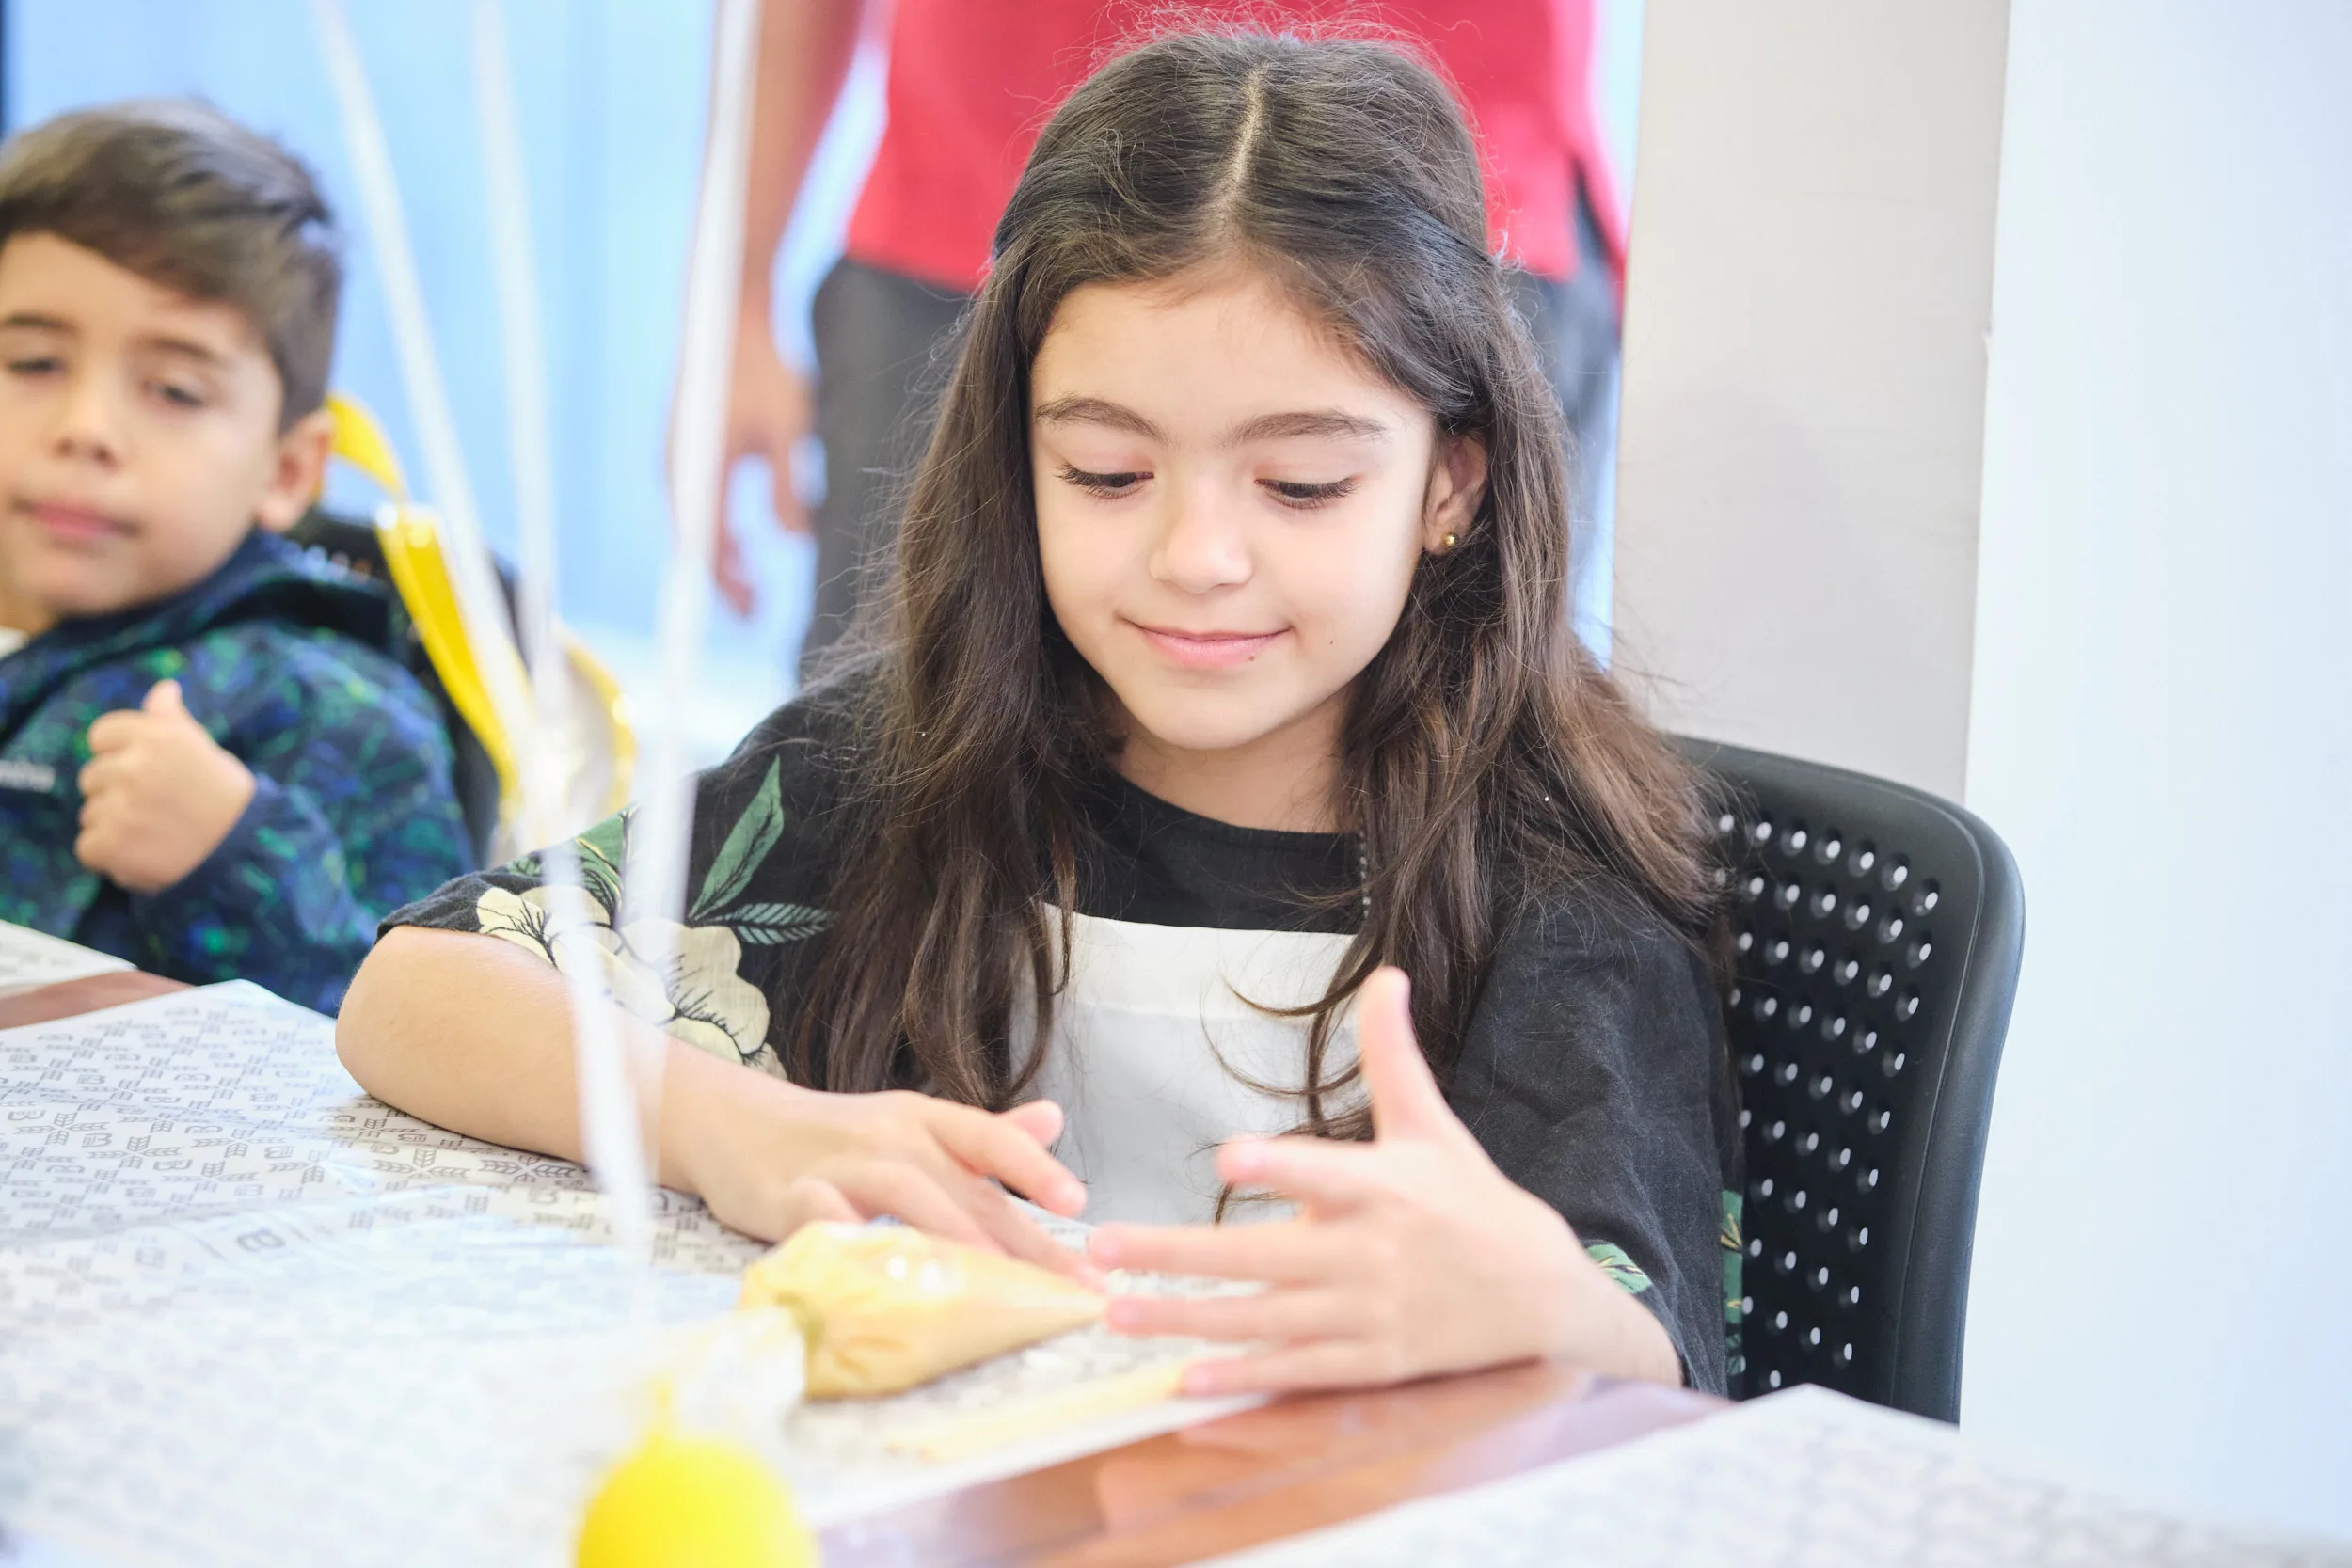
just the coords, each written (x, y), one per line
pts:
(286, 660)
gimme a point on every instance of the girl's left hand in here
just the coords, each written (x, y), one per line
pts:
(1409, 1255)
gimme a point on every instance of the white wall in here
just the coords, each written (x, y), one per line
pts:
(2162, 729)
(1798, 469)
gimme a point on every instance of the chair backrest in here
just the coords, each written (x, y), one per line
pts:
(1878, 933)
(355, 546)
(593, 743)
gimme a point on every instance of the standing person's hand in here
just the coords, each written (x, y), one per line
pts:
(1411, 1255)
(803, 56)
(158, 794)
(771, 410)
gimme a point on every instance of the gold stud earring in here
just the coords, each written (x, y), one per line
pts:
(1449, 542)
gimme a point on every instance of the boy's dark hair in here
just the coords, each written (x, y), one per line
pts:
(177, 192)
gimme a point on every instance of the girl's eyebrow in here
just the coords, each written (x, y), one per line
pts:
(1309, 421)
(1099, 411)
(1266, 427)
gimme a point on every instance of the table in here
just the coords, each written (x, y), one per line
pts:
(248, 1314)
(1216, 1486)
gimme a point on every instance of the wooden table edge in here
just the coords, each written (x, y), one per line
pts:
(1261, 1475)
(91, 994)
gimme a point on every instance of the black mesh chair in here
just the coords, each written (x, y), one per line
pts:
(1878, 933)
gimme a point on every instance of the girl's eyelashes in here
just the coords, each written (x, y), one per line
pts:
(1101, 484)
(1298, 495)
(1304, 496)
(34, 364)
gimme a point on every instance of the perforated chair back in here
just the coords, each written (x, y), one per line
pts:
(1878, 932)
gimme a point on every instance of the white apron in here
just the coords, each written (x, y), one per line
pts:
(1155, 1048)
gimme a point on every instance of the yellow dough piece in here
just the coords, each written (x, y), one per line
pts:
(683, 1501)
(885, 1307)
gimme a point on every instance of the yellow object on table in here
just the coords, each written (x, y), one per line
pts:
(885, 1307)
(683, 1501)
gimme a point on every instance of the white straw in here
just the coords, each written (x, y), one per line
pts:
(524, 352)
(610, 1125)
(661, 830)
(658, 846)
(472, 576)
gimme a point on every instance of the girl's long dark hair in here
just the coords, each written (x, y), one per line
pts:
(1486, 759)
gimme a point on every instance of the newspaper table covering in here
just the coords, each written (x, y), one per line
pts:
(249, 1314)
(29, 958)
(1801, 1478)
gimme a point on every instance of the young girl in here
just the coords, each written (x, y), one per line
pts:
(1224, 675)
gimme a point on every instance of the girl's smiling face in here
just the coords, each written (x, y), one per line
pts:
(1229, 510)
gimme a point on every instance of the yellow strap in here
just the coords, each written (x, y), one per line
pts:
(359, 441)
(618, 729)
(412, 551)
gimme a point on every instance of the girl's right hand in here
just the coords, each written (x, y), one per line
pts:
(769, 1157)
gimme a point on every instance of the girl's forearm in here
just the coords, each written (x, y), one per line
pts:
(473, 1034)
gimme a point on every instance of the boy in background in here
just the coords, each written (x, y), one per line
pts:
(211, 762)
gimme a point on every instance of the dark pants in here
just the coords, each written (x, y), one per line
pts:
(881, 362)
(882, 340)
(1575, 327)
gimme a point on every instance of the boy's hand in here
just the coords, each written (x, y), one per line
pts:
(158, 794)
(1411, 1255)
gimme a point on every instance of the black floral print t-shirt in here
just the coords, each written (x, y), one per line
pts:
(1592, 1072)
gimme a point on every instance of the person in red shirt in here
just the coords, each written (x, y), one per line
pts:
(970, 83)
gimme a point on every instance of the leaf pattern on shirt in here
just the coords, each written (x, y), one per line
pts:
(773, 924)
(1735, 1298)
(744, 849)
(1618, 1267)
(601, 851)
(756, 923)
(694, 996)
(701, 997)
(1733, 1207)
